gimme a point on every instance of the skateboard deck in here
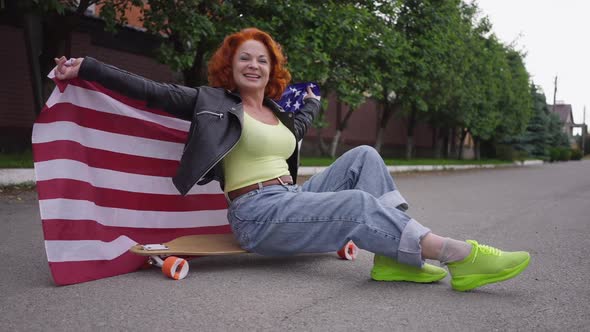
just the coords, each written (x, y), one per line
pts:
(193, 245)
(162, 254)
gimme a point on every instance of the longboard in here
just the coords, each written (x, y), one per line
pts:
(162, 254)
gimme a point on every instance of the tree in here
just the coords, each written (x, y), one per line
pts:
(329, 43)
(350, 44)
(516, 102)
(557, 138)
(460, 86)
(431, 31)
(484, 117)
(534, 141)
(390, 47)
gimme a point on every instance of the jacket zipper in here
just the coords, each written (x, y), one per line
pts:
(218, 160)
(220, 115)
(225, 154)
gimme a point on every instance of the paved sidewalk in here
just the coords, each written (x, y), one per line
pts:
(10, 176)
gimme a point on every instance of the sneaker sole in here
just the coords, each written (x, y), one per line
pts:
(465, 284)
(423, 280)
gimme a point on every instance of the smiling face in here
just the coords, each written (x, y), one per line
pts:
(251, 66)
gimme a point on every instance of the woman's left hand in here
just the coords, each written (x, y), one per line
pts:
(310, 94)
(67, 69)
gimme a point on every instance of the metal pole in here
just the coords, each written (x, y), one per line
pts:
(554, 93)
(584, 129)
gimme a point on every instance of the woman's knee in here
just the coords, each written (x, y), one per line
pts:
(366, 152)
(370, 156)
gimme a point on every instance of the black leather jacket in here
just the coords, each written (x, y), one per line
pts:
(216, 117)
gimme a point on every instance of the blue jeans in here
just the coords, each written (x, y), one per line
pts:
(353, 199)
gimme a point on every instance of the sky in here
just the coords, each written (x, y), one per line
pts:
(555, 34)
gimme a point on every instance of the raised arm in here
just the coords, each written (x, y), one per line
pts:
(304, 117)
(175, 99)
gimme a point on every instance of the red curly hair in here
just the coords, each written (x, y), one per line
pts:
(220, 65)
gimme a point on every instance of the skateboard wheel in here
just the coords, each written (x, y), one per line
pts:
(175, 268)
(349, 251)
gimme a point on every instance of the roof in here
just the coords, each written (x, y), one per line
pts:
(564, 111)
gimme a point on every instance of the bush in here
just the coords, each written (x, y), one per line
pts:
(507, 152)
(560, 154)
(576, 154)
(565, 154)
(553, 154)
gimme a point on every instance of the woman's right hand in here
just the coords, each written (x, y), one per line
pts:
(67, 69)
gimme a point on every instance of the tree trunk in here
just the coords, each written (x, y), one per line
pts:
(410, 135)
(322, 147)
(452, 143)
(477, 148)
(335, 141)
(387, 112)
(410, 147)
(435, 142)
(33, 41)
(438, 136)
(196, 75)
(464, 132)
(379, 139)
(341, 125)
(445, 143)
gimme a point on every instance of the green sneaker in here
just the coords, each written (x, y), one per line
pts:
(387, 269)
(486, 265)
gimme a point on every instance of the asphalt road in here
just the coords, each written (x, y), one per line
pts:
(542, 209)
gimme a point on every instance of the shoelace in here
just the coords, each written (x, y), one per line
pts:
(485, 250)
(489, 250)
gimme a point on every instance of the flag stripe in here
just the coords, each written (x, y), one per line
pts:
(104, 159)
(61, 229)
(95, 96)
(87, 250)
(106, 197)
(69, 209)
(113, 123)
(106, 178)
(98, 139)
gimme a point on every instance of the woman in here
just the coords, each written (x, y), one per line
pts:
(242, 138)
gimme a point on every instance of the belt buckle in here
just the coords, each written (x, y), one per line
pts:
(281, 181)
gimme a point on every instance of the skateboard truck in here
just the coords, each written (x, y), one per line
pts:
(172, 267)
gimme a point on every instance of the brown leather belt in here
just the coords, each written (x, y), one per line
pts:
(282, 180)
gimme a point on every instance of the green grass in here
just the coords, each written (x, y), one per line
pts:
(16, 160)
(25, 160)
(325, 161)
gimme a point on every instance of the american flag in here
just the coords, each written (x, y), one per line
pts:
(292, 98)
(103, 166)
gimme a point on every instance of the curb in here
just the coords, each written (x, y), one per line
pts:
(429, 168)
(16, 176)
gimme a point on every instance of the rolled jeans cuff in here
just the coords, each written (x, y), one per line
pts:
(410, 251)
(395, 199)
